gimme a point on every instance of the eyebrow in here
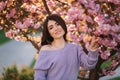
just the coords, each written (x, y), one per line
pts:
(52, 25)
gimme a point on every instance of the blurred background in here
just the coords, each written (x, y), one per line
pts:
(20, 54)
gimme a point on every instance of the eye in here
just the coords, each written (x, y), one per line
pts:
(50, 27)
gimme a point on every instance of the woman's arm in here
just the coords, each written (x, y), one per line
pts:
(40, 74)
(42, 66)
(87, 61)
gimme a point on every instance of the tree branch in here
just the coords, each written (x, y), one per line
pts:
(46, 7)
(61, 2)
(33, 43)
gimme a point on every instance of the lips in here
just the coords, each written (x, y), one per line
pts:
(58, 32)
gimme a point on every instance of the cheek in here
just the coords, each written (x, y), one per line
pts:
(63, 30)
(51, 33)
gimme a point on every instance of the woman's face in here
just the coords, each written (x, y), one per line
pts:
(55, 30)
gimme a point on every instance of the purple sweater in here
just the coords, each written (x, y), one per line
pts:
(63, 64)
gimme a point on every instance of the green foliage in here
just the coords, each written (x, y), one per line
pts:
(116, 78)
(33, 63)
(105, 64)
(3, 39)
(26, 74)
(12, 73)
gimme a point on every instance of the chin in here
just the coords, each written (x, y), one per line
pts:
(58, 37)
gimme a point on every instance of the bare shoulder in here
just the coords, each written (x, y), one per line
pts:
(45, 47)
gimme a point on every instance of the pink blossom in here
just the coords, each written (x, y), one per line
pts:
(104, 72)
(78, 23)
(67, 18)
(32, 8)
(37, 25)
(1, 27)
(114, 1)
(108, 42)
(113, 43)
(92, 6)
(89, 30)
(92, 12)
(72, 27)
(89, 19)
(99, 19)
(111, 73)
(18, 38)
(118, 37)
(19, 25)
(51, 3)
(105, 55)
(33, 0)
(9, 3)
(119, 55)
(108, 72)
(2, 5)
(11, 14)
(81, 36)
(28, 22)
(102, 0)
(16, 31)
(105, 28)
(81, 15)
(97, 31)
(97, 8)
(74, 13)
(83, 1)
(115, 28)
(74, 38)
(77, 40)
(114, 63)
(10, 34)
(118, 8)
(24, 0)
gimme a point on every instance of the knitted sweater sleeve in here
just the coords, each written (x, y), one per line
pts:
(88, 61)
(42, 66)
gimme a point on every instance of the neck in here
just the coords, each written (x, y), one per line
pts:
(59, 43)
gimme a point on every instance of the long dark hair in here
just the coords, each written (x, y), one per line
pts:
(46, 37)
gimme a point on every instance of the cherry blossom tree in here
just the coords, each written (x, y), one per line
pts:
(86, 20)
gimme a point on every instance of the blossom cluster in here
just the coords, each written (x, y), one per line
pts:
(21, 17)
(98, 18)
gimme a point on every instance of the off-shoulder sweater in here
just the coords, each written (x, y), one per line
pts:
(64, 63)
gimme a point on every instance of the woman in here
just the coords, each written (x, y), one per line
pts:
(58, 59)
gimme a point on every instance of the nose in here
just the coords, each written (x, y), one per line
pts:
(55, 28)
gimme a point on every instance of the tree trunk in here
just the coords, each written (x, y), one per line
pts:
(94, 73)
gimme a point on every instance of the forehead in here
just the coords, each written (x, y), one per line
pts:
(51, 22)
